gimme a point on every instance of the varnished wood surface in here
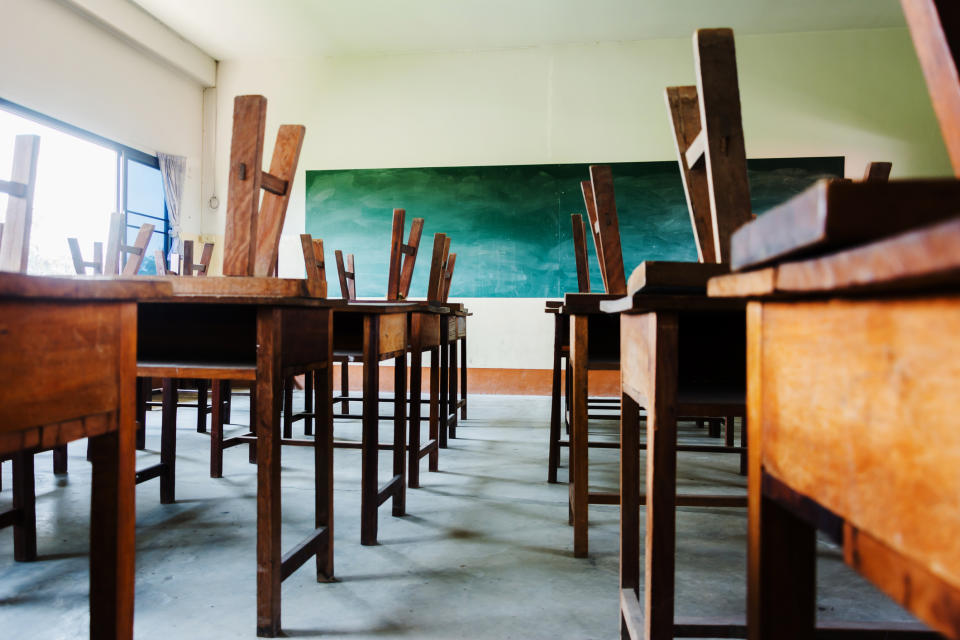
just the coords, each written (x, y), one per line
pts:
(684, 107)
(14, 285)
(882, 367)
(601, 177)
(243, 199)
(664, 277)
(585, 303)
(935, 27)
(642, 303)
(726, 163)
(837, 214)
(916, 260)
(273, 212)
(580, 252)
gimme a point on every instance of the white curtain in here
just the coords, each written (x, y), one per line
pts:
(173, 169)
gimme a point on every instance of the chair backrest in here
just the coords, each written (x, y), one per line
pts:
(935, 28)
(314, 264)
(712, 150)
(185, 264)
(402, 256)
(347, 274)
(252, 235)
(878, 172)
(580, 251)
(437, 284)
(447, 277)
(116, 245)
(601, 206)
(79, 264)
(590, 204)
(15, 239)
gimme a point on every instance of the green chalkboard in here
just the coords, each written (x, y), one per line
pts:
(510, 225)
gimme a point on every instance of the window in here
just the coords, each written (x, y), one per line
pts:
(143, 203)
(81, 179)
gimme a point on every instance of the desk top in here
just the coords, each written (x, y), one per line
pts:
(585, 303)
(16, 285)
(392, 306)
(646, 302)
(926, 259)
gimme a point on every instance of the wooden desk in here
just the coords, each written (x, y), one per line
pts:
(378, 331)
(680, 355)
(68, 369)
(853, 376)
(262, 330)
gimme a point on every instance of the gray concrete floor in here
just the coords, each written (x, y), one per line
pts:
(484, 552)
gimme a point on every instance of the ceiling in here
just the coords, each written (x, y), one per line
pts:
(238, 29)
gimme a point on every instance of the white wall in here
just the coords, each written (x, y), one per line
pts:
(853, 93)
(58, 62)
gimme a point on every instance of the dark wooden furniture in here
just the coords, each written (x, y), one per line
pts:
(260, 330)
(671, 349)
(68, 366)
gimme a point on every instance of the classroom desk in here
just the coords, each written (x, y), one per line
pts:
(594, 344)
(853, 378)
(382, 330)
(680, 355)
(262, 330)
(67, 371)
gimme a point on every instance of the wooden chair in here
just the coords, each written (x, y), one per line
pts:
(251, 248)
(117, 247)
(172, 387)
(79, 264)
(186, 265)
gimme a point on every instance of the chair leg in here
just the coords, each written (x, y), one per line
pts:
(463, 377)
(344, 387)
(144, 392)
(252, 452)
(60, 459)
(553, 456)
(308, 404)
(728, 429)
(202, 386)
(168, 442)
(24, 500)
(288, 408)
(220, 387)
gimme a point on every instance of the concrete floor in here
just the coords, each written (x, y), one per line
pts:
(484, 552)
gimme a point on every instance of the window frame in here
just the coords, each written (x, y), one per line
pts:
(124, 154)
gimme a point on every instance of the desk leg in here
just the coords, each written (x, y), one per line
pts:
(24, 501)
(434, 464)
(112, 533)
(453, 394)
(416, 365)
(660, 332)
(579, 479)
(463, 377)
(444, 380)
(369, 449)
(267, 420)
(553, 457)
(323, 462)
(400, 433)
(168, 442)
(629, 500)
